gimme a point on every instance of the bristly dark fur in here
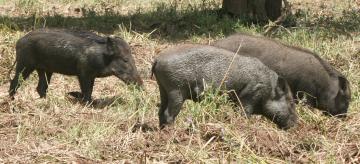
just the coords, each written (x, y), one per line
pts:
(306, 72)
(72, 52)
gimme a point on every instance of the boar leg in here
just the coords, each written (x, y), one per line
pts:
(163, 106)
(86, 86)
(44, 80)
(25, 72)
(175, 101)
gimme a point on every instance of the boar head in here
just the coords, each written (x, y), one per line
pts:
(280, 107)
(120, 61)
(337, 98)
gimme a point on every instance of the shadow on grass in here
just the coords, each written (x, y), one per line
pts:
(166, 21)
(170, 23)
(347, 24)
(75, 97)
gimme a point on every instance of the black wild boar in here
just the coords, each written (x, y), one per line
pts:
(305, 71)
(83, 54)
(181, 71)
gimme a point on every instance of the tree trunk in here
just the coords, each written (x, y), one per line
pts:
(273, 9)
(237, 7)
(261, 10)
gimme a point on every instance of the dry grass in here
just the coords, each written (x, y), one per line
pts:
(57, 129)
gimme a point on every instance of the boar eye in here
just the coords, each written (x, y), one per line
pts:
(125, 60)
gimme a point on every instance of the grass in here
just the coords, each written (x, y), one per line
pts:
(58, 129)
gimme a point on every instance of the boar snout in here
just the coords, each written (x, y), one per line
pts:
(138, 82)
(283, 120)
(131, 79)
(288, 123)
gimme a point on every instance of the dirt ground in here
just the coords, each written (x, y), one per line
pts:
(124, 128)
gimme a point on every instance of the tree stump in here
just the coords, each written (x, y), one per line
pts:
(261, 10)
(273, 9)
(237, 7)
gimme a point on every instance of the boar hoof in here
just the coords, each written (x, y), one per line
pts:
(77, 95)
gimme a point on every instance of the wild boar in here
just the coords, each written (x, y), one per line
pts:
(306, 73)
(82, 54)
(181, 72)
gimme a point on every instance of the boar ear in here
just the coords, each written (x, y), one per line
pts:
(344, 85)
(282, 83)
(110, 45)
(283, 86)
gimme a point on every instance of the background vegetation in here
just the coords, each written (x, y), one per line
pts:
(58, 129)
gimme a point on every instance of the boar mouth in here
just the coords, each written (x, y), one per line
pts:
(286, 123)
(130, 80)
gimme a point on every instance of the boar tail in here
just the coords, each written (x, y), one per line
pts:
(11, 68)
(153, 68)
